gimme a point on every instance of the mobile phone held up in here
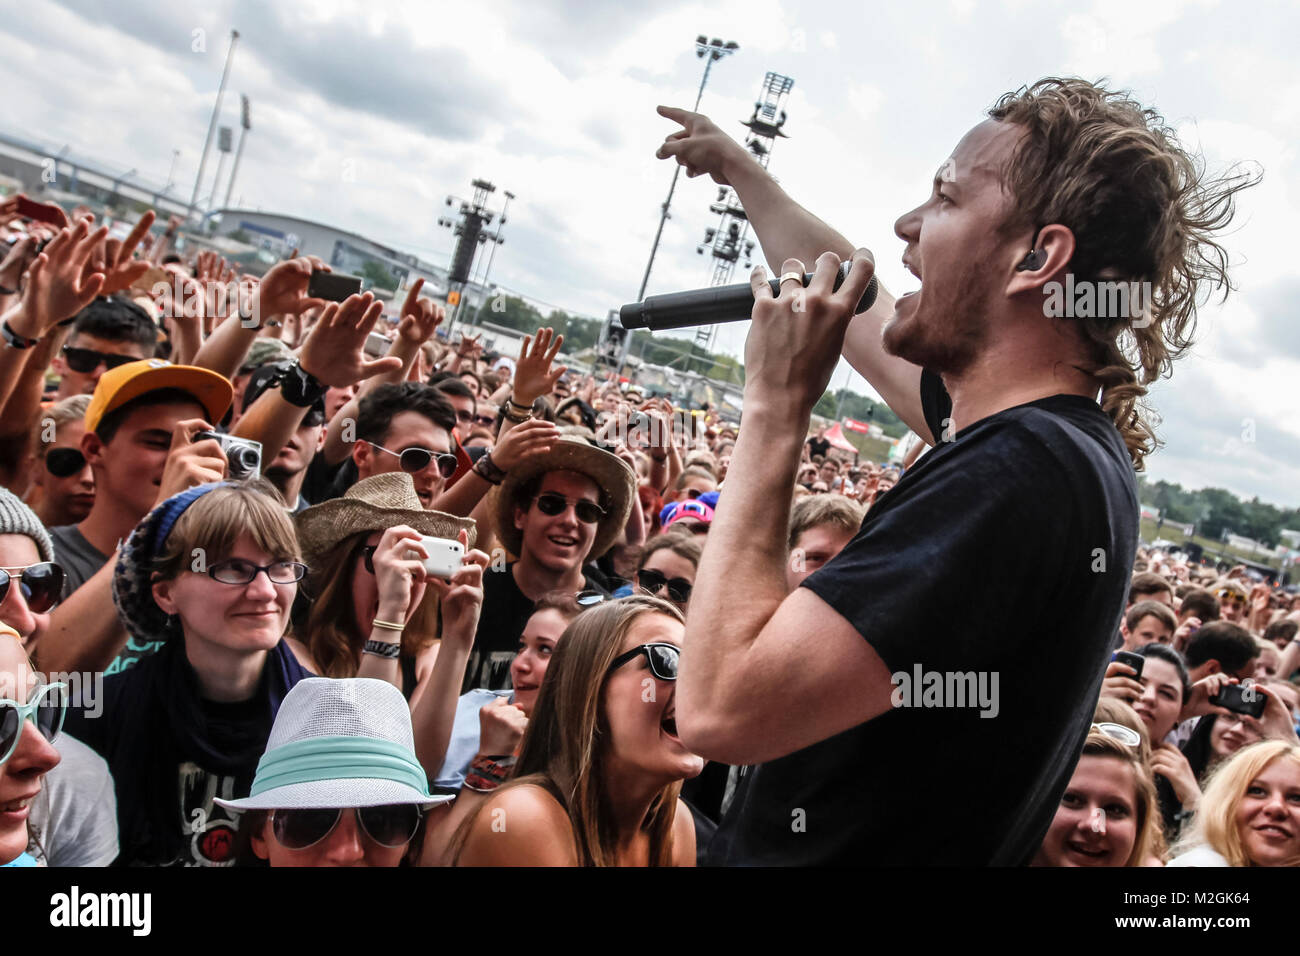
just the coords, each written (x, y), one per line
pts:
(332, 286)
(39, 211)
(1135, 661)
(445, 556)
(1240, 699)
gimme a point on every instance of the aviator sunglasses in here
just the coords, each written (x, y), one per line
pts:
(392, 825)
(413, 460)
(41, 585)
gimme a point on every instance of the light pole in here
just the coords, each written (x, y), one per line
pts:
(245, 126)
(212, 125)
(496, 240)
(711, 51)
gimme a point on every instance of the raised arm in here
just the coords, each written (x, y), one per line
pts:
(751, 661)
(333, 355)
(788, 231)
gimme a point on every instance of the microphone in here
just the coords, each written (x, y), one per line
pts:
(728, 303)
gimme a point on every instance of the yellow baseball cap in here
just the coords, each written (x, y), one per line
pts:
(119, 385)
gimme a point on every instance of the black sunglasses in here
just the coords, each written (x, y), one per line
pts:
(87, 360)
(662, 657)
(368, 556)
(64, 462)
(41, 585)
(392, 825)
(679, 589)
(413, 460)
(588, 512)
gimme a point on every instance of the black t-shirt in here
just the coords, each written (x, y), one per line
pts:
(819, 446)
(505, 613)
(1005, 551)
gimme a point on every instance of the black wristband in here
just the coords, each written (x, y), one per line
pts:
(487, 469)
(12, 339)
(299, 388)
(384, 649)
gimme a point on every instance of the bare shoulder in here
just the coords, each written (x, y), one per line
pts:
(683, 836)
(520, 826)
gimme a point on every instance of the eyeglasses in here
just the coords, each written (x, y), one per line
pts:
(693, 493)
(486, 421)
(679, 589)
(41, 585)
(588, 512)
(87, 360)
(662, 657)
(64, 462)
(368, 556)
(45, 709)
(1125, 735)
(239, 572)
(413, 460)
(1231, 597)
(464, 415)
(392, 825)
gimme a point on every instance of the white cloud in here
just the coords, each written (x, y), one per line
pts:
(556, 102)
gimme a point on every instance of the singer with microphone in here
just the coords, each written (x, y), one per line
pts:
(923, 697)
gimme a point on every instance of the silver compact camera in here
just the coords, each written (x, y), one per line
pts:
(243, 457)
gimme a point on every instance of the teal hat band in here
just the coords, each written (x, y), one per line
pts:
(316, 759)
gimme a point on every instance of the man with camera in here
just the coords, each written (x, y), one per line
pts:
(144, 442)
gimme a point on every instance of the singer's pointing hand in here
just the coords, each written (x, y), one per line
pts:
(795, 338)
(699, 146)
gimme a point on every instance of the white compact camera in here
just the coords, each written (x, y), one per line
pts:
(445, 556)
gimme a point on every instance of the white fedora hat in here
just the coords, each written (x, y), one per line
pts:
(339, 743)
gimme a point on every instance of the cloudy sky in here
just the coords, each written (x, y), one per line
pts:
(367, 114)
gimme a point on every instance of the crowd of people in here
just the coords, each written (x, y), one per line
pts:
(268, 598)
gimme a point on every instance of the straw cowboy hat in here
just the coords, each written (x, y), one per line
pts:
(571, 452)
(339, 743)
(372, 504)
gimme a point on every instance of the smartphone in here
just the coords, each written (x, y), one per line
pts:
(38, 211)
(445, 556)
(332, 286)
(377, 345)
(1135, 661)
(1233, 697)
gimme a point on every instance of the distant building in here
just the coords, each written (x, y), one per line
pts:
(382, 266)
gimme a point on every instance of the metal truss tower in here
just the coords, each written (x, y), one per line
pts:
(729, 241)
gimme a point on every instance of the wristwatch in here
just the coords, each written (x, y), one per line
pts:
(299, 387)
(13, 340)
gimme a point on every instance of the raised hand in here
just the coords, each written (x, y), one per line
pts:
(334, 353)
(283, 290)
(121, 268)
(525, 441)
(17, 261)
(1120, 683)
(398, 561)
(58, 286)
(534, 376)
(699, 145)
(420, 317)
(501, 728)
(795, 339)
